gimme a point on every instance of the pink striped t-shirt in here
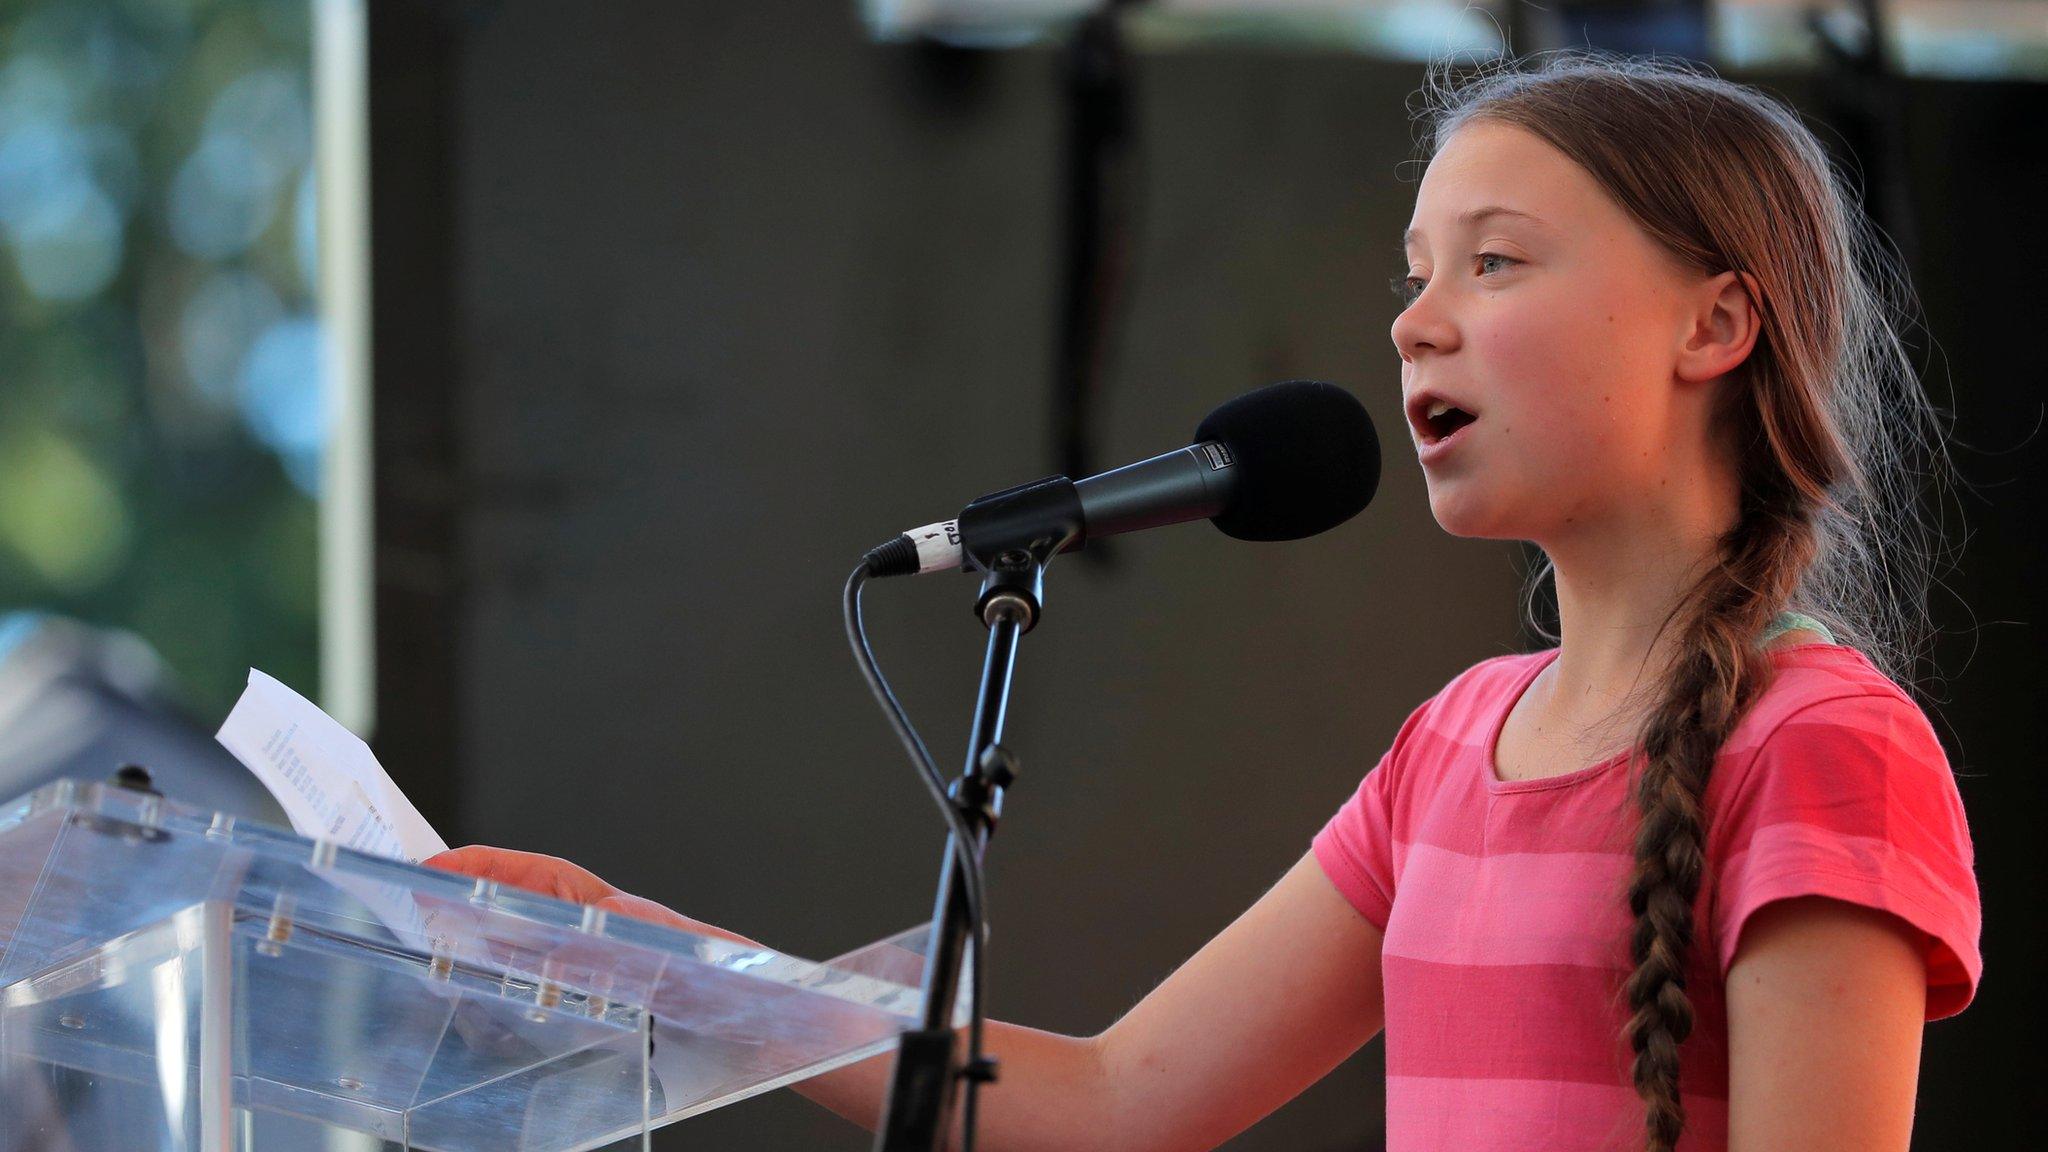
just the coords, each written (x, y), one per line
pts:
(1506, 927)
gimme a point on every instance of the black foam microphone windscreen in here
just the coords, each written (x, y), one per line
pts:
(1307, 459)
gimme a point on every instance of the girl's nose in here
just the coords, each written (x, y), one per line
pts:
(1422, 326)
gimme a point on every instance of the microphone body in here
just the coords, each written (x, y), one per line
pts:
(1192, 483)
(1279, 463)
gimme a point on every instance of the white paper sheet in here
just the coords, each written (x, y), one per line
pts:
(329, 783)
(332, 788)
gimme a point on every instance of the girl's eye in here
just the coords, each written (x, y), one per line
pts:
(1482, 257)
(1407, 288)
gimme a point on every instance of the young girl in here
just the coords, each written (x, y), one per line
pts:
(1692, 879)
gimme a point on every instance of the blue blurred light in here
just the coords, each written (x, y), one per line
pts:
(268, 109)
(219, 325)
(223, 197)
(280, 392)
(42, 164)
(72, 249)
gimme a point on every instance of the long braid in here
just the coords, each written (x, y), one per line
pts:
(1719, 674)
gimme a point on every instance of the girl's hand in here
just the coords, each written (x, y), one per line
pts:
(556, 877)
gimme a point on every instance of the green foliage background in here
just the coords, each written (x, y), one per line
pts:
(133, 494)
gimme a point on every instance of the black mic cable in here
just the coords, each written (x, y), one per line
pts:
(965, 852)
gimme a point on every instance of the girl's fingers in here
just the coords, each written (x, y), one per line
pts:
(641, 908)
(554, 876)
(548, 875)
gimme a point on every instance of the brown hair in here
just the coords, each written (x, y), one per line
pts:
(1834, 434)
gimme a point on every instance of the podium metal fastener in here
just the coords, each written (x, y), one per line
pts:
(135, 778)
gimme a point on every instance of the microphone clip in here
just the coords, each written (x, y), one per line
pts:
(1009, 528)
(1010, 536)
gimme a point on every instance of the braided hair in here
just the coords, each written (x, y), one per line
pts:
(1833, 432)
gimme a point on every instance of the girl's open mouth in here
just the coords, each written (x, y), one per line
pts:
(1443, 432)
(1446, 425)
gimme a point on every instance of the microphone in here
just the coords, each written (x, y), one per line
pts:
(1279, 463)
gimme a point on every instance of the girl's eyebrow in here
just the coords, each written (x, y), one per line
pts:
(1409, 237)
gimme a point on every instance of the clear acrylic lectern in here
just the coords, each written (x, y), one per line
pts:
(173, 979)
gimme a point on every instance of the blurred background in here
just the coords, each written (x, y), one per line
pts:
(521, 380)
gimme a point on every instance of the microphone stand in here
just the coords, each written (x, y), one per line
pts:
(993, 531)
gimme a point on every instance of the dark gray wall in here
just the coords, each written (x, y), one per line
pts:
(690, 305)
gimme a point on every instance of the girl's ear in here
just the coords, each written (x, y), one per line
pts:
(1725, 325)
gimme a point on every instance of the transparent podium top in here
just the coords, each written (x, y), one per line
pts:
(172, 978)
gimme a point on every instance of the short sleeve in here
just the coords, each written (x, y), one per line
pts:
(1356, 846)
(1852, 798)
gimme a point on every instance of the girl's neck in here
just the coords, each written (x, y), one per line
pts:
(1616, 596)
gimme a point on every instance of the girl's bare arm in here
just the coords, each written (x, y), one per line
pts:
(1827, 1001)
(1262, 1011)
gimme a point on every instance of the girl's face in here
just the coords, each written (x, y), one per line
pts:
(1563, 327)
